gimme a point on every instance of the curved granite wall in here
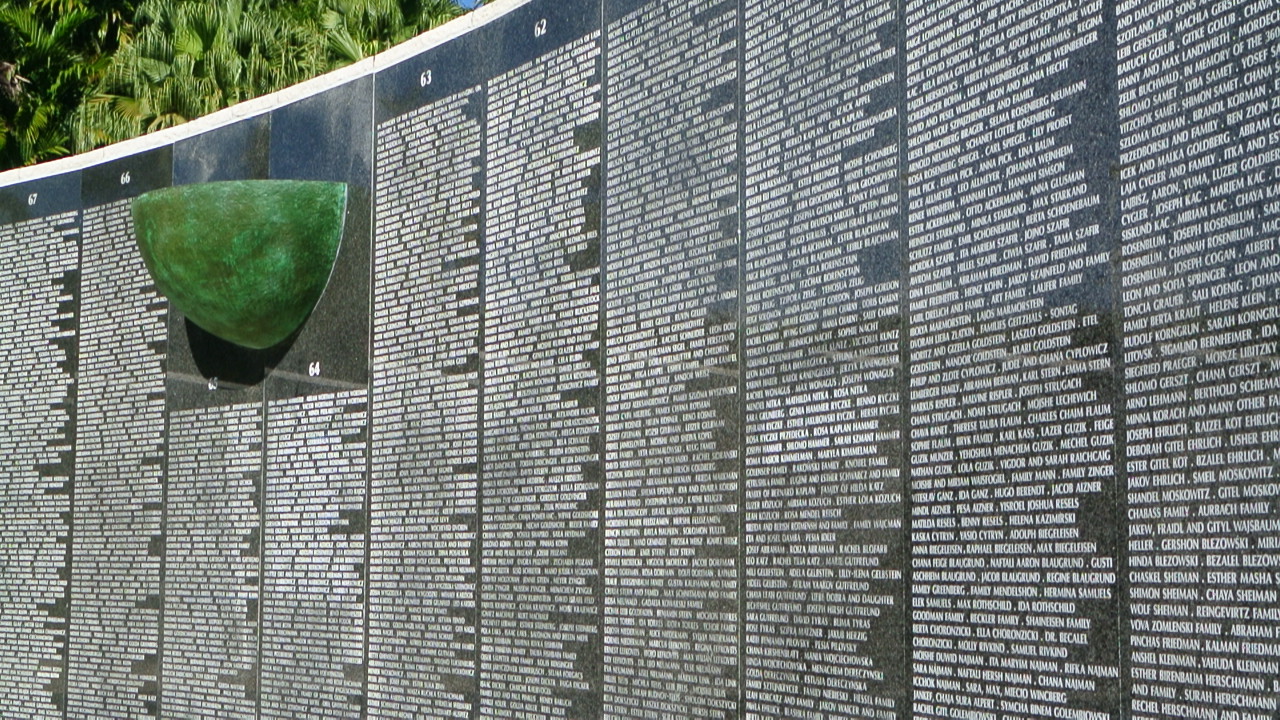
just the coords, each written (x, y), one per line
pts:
(682, 360)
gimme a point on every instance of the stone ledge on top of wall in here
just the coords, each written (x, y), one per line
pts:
(266, 103)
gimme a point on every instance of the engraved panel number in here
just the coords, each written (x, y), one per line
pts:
(31, 199)
(540, 28)
(425, 78)
(314, 369)
(213, 383)
(125, 178)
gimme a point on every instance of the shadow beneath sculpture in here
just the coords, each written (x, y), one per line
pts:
(230, 363)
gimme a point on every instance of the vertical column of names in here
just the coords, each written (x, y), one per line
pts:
(212, 563)
(822, 332)
(1201, 284)
(672, 468)
(1010, 144)
(314, 554)
(115, 581)
(38, 315)
(543, 485)
(425, 444)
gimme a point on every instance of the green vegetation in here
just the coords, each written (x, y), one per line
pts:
(79, 74)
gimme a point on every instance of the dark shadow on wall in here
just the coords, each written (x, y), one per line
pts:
(218, 358)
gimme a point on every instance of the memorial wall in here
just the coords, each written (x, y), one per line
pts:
(729, 360)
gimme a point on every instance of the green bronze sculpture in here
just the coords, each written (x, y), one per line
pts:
(245, 260)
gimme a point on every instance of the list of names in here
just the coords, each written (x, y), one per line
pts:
(672, 507)
(424, 554)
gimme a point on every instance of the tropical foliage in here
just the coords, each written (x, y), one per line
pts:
(43, 80)
(79, 74)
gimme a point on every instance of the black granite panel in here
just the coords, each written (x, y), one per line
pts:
(325, 136)
(1199, 219)
(722, 360)
(313, 547)
(427, 342)
(213, 563)
(541, 476)
(443, 71)
(240, 151)
(823, 335)
(42, 197)
(672, 466)
(120, 452)
(533, 32)
(1009, 147)
(39, 324)
(127, 177)
(329, 137)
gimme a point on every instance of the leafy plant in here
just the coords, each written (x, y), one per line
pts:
(191, 58)
(42, 82)
(78, 74)
(355, 29)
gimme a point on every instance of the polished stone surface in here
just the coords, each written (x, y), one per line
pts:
(878, 359)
